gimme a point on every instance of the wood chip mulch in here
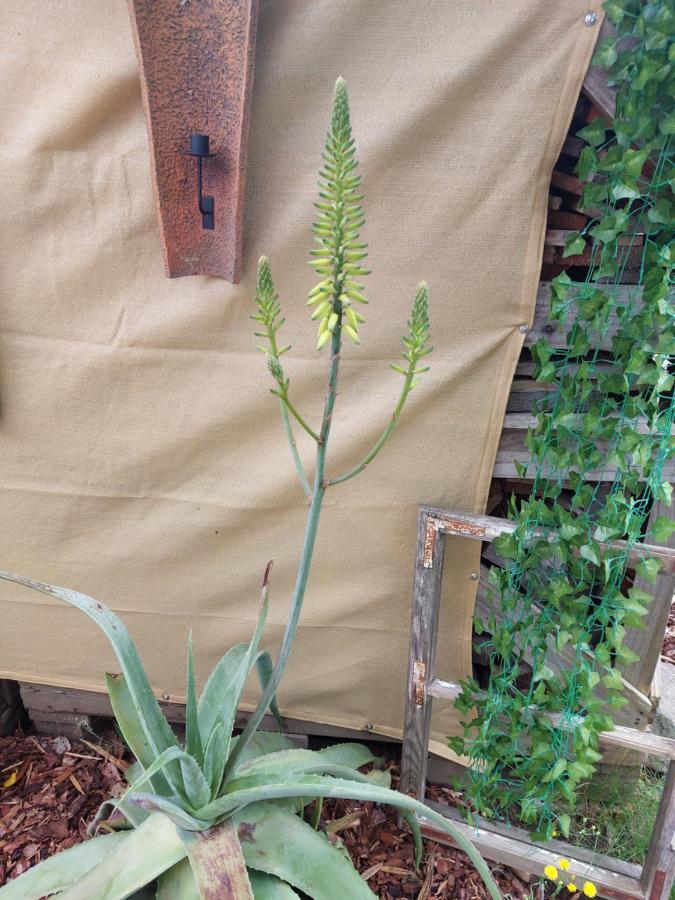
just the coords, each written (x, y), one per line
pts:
(50, 789)
(384, 854)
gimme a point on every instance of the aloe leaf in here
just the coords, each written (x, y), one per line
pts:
(214, 758)
(308, 786)
(261, 743)
(297, 760)
(262, 778)
(145, 853)
(265, 667)
(248, 661)
(60, 871)
(178, 883)
(153, 803)
(279, 843)
(216, 691)
(218, 863)
(196, 787)
(193, 743)
(157, 730)
(132, 729)
(268, 887)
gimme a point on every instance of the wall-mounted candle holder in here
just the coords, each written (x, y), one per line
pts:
(199, 148)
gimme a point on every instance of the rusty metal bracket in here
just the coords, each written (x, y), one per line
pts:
(196, 64)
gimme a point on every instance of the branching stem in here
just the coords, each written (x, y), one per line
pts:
(379, 444)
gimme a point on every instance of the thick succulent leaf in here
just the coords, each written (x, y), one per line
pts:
(280, 843)
(352, 755)
(416, 832)
(155, 726)
(265, 666)
(269, 887)
(261, 743)
(259, 779)
(237, 686)
(193, 742)
(308, 786)
(61, 870)
(214, 758)
(218, 863)
(174, 812)
(144, 855)
(196, 786)
(217, 693)
(178, 883)
(132, 730)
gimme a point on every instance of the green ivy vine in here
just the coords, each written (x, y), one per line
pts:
(566, 592)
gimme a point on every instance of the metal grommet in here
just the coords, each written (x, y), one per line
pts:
(369, 726)
(524, 328)
(590, 19)
(166, 697)
(474, 576)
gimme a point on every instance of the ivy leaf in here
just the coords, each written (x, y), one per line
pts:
(564, 822)
(648, 569)
(574, 244)
(556, 771)
(590, 552)
(665, 492)
(662, 529)
(594, 133)
(667, 124)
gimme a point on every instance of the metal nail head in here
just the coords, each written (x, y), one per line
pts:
(523, 329)
(474, 576)
(590, 19)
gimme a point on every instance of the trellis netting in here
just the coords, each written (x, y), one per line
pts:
(566, 584)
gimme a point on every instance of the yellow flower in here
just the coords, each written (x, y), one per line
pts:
(551, 872)
(571, 887)
(590, 889)
(564, 864)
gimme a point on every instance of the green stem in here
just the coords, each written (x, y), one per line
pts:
(296, 415)
(407, 387)
(288, 428)
(305, 564)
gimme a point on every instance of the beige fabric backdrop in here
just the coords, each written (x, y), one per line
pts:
(141, 456)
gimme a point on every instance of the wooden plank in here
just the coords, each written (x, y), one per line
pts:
(512, 449)
(487, 528)
(520, 853)
(423, 633)
(49, 700)
(620, 736)
(620, 866)
(556, 237)
(521, 421)
(658, 873)
(646, 642)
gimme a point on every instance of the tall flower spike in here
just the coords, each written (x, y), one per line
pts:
(339, 253)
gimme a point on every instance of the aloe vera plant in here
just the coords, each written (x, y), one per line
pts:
(221, 816)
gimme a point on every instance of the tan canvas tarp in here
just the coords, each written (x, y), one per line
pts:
(141, 456)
